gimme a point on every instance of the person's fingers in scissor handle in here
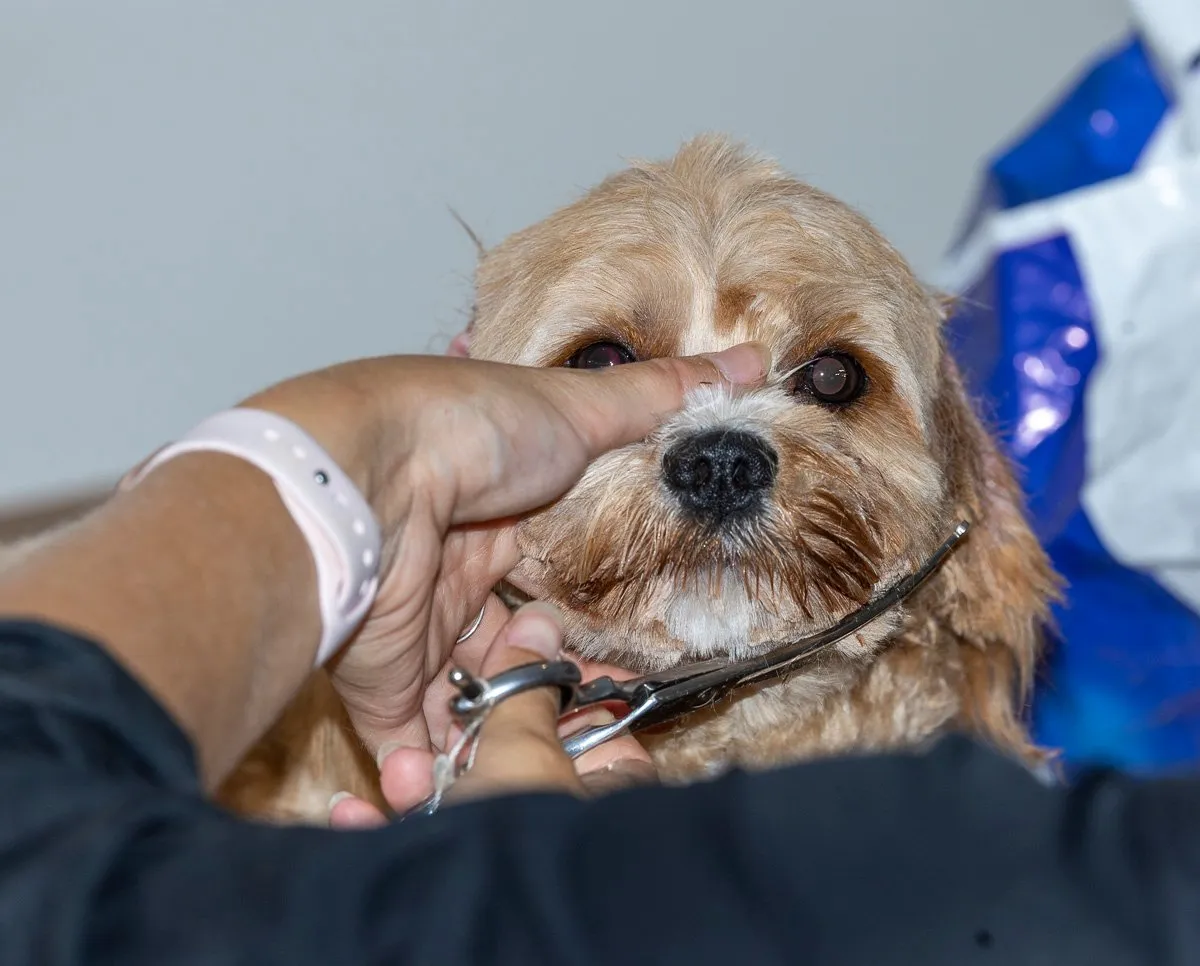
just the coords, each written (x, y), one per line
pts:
(520, 742)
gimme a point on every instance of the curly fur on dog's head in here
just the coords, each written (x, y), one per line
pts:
(755, 519)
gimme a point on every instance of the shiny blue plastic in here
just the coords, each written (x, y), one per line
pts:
(1122, 686)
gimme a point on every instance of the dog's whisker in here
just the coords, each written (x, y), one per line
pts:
(774, 381)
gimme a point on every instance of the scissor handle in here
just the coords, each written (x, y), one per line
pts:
(476, 694)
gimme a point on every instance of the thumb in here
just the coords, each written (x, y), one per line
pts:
(613, 407)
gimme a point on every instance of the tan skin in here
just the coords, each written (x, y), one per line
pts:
(199, 583)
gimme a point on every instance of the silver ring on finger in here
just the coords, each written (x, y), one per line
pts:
(470, 631)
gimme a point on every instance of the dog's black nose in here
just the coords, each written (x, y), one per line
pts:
(720, 473)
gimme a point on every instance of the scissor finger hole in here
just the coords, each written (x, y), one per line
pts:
(479, 693)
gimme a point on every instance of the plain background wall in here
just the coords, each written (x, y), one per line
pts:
(199, 198)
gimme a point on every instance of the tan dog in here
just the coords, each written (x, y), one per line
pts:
(761, 519)
(749, 521)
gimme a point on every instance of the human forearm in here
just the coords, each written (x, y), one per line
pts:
(199, 580)
(201, 554)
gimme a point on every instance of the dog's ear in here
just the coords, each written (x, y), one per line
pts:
(460, 345)
(998, 585)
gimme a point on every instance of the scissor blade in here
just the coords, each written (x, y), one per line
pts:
(631, 691)
(659, 698)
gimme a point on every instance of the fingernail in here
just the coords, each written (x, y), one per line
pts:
(338, 797)
(581, 720)
(633, 772)
(384, 750)
(620, 775)
(537, 627)
(542, 607)
(743, 363)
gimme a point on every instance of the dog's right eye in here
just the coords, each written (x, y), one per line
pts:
(601, 355)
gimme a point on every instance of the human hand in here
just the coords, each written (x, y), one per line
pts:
(450, 453)
(519, 745)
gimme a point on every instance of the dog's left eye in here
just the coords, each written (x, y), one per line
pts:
(601, 355)
(832, 378)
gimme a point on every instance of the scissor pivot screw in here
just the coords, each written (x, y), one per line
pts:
(469, 686)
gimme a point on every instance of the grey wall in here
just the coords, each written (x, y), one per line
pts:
(198, 198)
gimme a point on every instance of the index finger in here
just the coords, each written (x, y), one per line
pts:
(626, 403)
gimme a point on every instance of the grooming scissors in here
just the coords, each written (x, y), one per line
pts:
(662, 696)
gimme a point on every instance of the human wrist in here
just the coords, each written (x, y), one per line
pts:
(346, 421)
